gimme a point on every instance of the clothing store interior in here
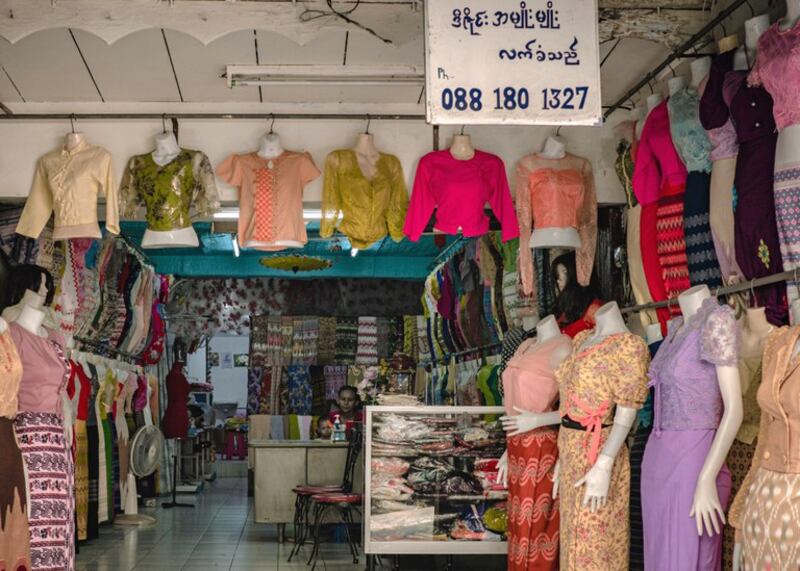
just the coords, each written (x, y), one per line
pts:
(462, 285)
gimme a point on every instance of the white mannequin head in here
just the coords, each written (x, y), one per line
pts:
(653, 101)
(554, 148)
(675, 84)
(700, 68)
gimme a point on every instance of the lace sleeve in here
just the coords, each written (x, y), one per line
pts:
(719, 340)
(129, 197)
(587, 228)
(206, 196)
(633, 359)
(331, 203)
(524, 216)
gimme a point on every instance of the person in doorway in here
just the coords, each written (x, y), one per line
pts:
(348, 406)
(575, 304)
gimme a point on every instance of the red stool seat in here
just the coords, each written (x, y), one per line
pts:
(337, 498)
(311, 490)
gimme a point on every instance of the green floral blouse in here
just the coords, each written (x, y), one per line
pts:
(168, 192)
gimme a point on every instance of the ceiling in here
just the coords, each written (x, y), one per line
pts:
(72, 51)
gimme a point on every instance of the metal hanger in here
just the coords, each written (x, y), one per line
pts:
(369, 120)
(558, 130)
(164, 123)
(753, 293)
(462, 129)
(72, 122)
(271, 123)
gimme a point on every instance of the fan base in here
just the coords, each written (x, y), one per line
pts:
(134, 519)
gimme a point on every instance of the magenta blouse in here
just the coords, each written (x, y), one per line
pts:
(658, 170)
(458, 191)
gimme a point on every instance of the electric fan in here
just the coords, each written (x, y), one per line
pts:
(146, 449)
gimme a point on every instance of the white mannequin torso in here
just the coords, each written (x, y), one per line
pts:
(653, 101)
(700, 68)
(745, 55)
(462, 148)
(72, 140)
(31, 320)
(166, 151)
(675, 84)
(367, 155)
(554, 149)
(547, 328)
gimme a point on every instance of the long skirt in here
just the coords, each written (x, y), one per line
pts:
(671, 246)
(700, 253)
(648, 242)
(637, 535)
(92, 516)
(787, 215)
(592, 541)
(51, 489)
(82, 479)
(532, 512)
(672, 463)
(15, 551)
(721, 215)
(739, 460)
(771, 528)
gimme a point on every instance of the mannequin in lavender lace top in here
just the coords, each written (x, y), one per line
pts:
(698, 411)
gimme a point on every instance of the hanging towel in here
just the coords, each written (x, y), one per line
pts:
(276, 431)
(367, 351)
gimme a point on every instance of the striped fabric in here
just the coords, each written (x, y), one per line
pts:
(671, 247)
(367, 350)
(700, 253)
(787, 214)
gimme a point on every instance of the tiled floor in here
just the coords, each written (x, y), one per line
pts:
(218, 533)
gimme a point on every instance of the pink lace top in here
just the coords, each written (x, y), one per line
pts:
(529, 378)
(556, 193)
(683, 372)
(777, 68)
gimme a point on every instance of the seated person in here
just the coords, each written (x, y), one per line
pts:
(347, 408)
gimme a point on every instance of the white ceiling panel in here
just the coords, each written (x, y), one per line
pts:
(200, 67)
(46, 66)
(364, 49)
(630, 62)
(134, 68)
(276, 49)
(341, 93)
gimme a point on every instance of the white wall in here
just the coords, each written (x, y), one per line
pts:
(230, 385)
(22, 142)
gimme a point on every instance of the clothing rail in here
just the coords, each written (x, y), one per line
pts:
(449, 356)
(743, 286)
(676, 53)
(99, 345)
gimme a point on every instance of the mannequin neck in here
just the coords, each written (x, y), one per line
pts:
(609, 321)
(700, 68)
(528, 322)
(462, 148)
(692, 299)
(653, 101)
(365, 147)
(33, 299)
(653, 333)
(794, 312)
(547, 329)
(167, 148)
(753, 28)
(270, 147)
(74, 140)
(554, 148)
(792, 15)
(756, 320)
(728, 43)
(31, 319)
(676, 84)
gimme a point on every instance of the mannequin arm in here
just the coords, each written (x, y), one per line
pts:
(526, 421)
(706, 507)
(598, 478)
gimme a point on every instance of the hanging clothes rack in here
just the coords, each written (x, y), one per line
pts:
(207, 116)
(743, 286)
(679, 52)
(446, 358)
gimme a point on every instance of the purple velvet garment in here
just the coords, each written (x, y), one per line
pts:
(688, 409)
(684, 374)
(756, 232)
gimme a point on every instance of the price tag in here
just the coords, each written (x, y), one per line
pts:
(530, 62)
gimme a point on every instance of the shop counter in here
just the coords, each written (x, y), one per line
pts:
(280, 465)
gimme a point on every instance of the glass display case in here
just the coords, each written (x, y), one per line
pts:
(432, 480)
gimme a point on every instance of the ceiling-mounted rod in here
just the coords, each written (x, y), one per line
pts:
(676, 54)
(263, 116)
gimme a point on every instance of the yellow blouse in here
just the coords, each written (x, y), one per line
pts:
(364, 210)
(68, 183)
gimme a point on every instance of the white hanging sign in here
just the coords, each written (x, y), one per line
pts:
(530, 62)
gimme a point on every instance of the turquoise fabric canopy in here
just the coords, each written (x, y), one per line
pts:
(215, 257)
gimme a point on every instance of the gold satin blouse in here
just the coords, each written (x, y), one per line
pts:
(365, 210)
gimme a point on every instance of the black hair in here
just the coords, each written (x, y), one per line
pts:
(29, 277)
(344, 388)
(572, 301)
